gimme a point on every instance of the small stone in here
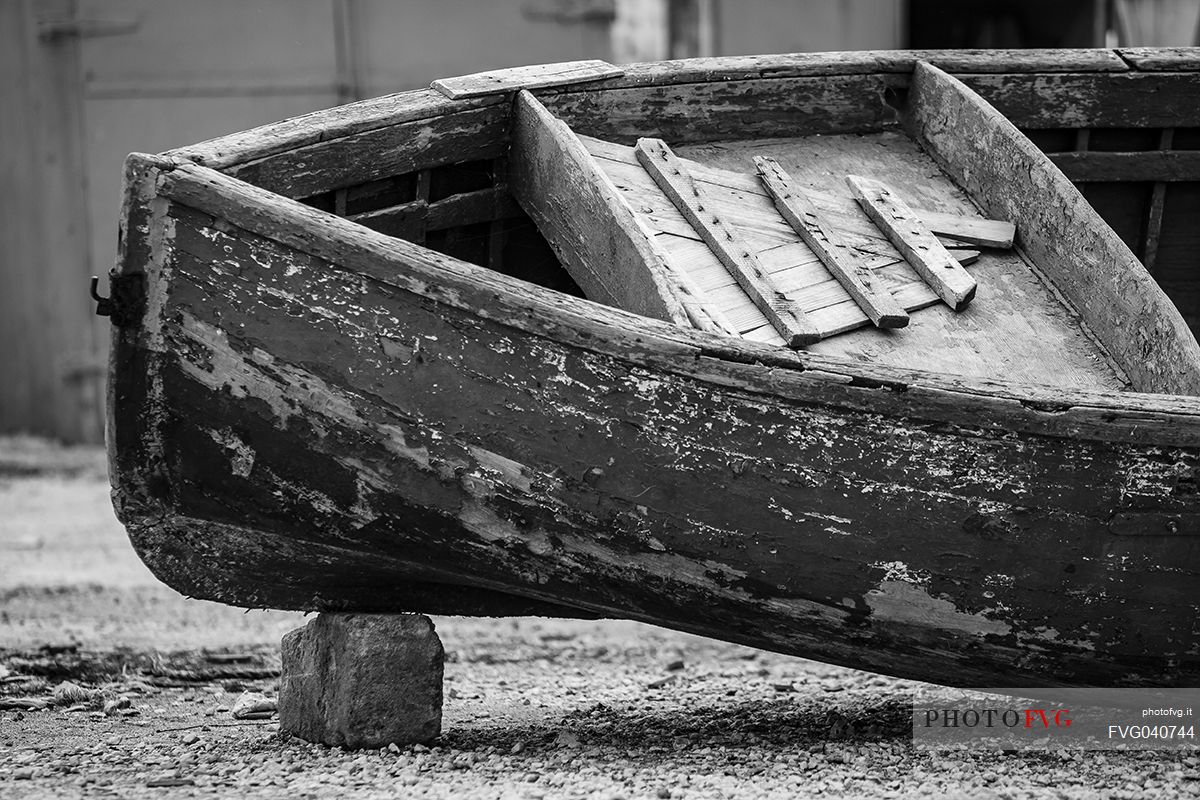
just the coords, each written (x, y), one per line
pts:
(532, 777)
(676, 665)
(393, 748)
(783, 687)
(25, 774)
(190, 739)
(252, 705)
(113, 706)
(566, 739)
(517, 748)
(663, 793)
(362, 680)
(661, 682)
(72, 694)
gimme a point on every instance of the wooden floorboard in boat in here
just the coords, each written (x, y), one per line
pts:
(1016, 327)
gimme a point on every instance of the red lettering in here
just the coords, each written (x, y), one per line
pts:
(1032, 713)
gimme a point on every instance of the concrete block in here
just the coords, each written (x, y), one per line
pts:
(362, 680)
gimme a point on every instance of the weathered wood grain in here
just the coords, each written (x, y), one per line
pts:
(579, 212)
(725, 241)
(407, 221)
(842, 262)
(697, 112)
(283, 476)
(394, 109)
(1099, 415)
(1072, 245)
(919, 246)
(1154, 213)
(1022, 332)
(1162, 59)
(1092, 100)
(1152, 165)
(842, 213)
(326, 125)
(857, 62)
(411, 220)
(974, 231)
(531, 77)
(450, 138)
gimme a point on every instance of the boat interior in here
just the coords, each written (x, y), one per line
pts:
(496, 198)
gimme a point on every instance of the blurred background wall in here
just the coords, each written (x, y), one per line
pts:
(84, 82)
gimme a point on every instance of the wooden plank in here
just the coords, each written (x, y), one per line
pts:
(1150, 165)
(858, 62)
(621, 164)
(407, 221)
(1154, 214)
(1162, 59)
(1003, 406)
(470, 135)
(467, 208)
(1093, 100)
(1009, 177)
(394, 109)
(582, 215)
(845, 265)
(697, 112)
(672, 177)
(537, 76)
(974, 231)
(326, 125)
(918, 245)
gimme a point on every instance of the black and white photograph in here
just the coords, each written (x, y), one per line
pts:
(599, 399)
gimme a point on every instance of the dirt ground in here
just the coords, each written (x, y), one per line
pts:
(139, 685)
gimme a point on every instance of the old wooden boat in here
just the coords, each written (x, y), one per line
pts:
(354, 366)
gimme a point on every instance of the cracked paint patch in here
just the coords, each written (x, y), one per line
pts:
(897, 601)
(241, 455)
(899, 571)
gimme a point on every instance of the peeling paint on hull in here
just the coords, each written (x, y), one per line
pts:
(271, 450)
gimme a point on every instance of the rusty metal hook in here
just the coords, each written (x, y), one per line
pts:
(103, 304)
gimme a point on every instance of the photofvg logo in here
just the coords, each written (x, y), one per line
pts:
(1052, 718)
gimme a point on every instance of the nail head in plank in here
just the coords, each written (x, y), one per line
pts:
(531, 77)
(915, 241)
(837, 256)
(672, 177)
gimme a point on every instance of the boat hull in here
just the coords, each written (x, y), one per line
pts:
(313, 416)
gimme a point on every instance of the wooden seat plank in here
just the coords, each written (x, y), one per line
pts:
(536, 76)
(835, 253)
(672, 177)
(918, 244)
(973, 231)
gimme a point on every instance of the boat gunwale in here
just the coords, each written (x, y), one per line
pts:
(800, 377)
(241, 148)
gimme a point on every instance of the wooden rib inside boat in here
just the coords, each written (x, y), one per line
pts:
(818, 353)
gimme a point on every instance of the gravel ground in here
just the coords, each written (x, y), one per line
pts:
(534, 708)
